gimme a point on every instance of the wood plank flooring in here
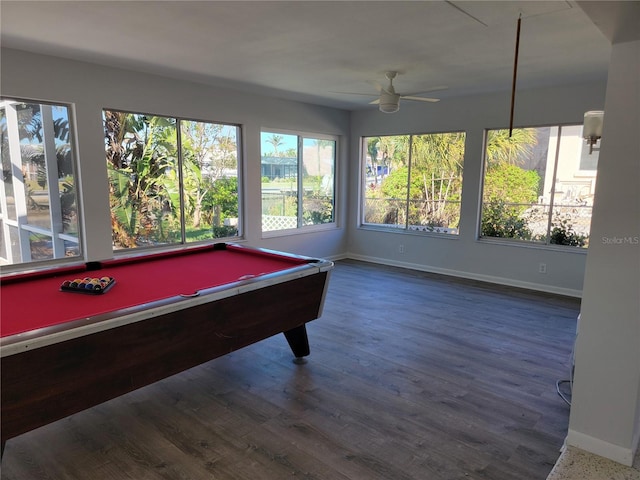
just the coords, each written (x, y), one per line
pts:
(412, 376)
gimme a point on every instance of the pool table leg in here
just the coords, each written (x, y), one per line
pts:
(299, 343)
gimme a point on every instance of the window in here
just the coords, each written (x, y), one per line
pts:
(171, 181)
(38, 204)
(298, 181)
(413, 182)
(539, 185)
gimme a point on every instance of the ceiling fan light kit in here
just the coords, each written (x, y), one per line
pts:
(388, 100)
(389, 103)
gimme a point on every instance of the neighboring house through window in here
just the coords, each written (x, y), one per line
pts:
(298, 180)
(538, 185)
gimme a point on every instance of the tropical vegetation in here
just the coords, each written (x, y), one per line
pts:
(39, 167)
(414, 180)
(304, 180)
(153, 196)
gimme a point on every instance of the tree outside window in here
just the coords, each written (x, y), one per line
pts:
(413, 182)
(298, 181)
(38, 200)
(538, 186)
(171, 181)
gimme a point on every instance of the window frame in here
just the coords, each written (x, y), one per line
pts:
(535, 244)
(301, 228)
(142, 250)
(6, 222)
(440, 232)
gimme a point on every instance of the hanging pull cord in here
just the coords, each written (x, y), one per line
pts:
(515, 75)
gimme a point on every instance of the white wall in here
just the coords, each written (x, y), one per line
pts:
(605, 410)
(464, 255)
(90, 88)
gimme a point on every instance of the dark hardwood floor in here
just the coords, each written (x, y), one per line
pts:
(411, 376)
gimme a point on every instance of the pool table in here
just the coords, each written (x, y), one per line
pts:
(62, 352)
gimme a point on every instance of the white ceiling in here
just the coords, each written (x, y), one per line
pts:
(308, 50)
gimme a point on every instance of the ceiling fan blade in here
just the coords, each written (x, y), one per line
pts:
(424, 92)
(357, 93)
(419, 99)
(432, 89)
(375, 102)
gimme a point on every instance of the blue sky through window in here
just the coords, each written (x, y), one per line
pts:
(288, 142)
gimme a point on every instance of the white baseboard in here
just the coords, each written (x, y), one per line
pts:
(335, 258)
(599, 447)
(569, 292)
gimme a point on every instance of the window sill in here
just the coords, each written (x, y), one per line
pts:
(403, 231)
(298, 231)
(532, 245)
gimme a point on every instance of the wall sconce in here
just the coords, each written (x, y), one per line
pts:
(592, 130)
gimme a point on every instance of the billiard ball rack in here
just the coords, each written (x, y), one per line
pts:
(88, 285)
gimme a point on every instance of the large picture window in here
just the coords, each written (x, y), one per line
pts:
(538, 185)
(298, 181)
(171, 180)
(38, 200)
(413, 182)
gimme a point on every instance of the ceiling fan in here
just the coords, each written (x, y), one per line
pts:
(388, 100)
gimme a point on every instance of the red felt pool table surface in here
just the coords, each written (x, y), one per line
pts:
(33, 301)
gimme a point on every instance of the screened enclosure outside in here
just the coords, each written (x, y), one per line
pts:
(413, 182)
(171, 181)
(38, 199)
(539, 185)
(298, 181)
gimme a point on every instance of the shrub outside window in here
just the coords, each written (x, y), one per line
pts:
(298, 181)
(38, 199)
(171, 181)
(413, 182)
(538, 185)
